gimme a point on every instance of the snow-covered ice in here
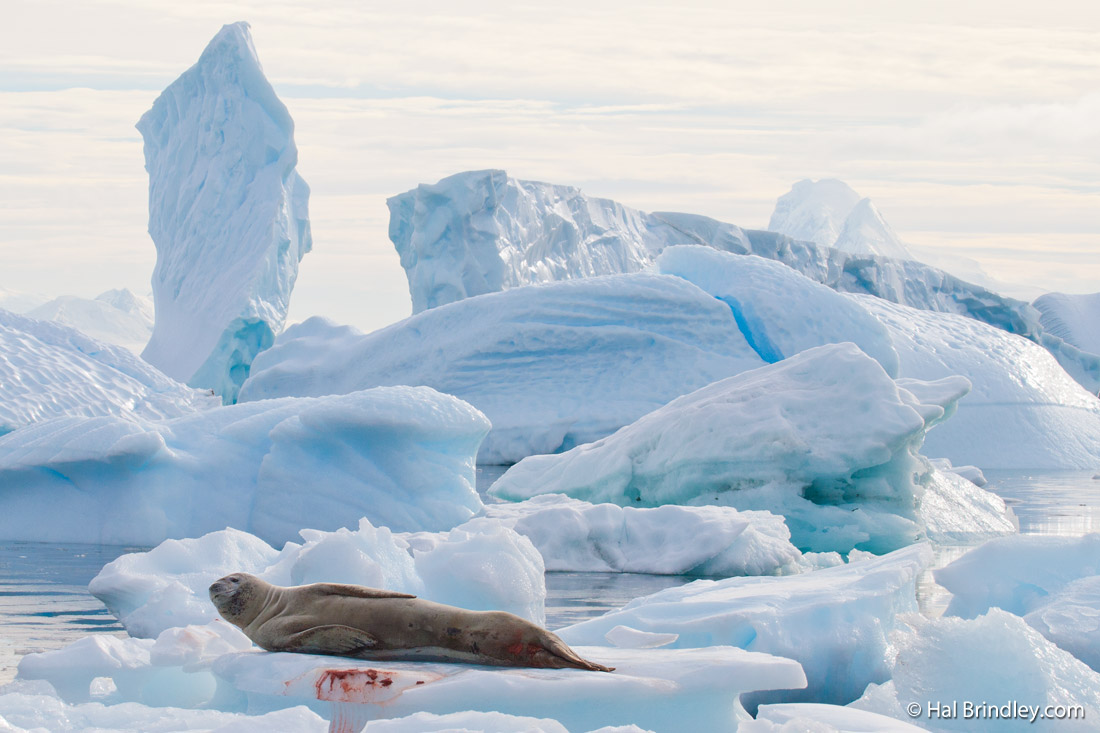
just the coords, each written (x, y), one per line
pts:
(994, 660)
(40, 711)
(550, 366)
(655, 689)
(481, 568)
(779, 438)
(1023, 411)
(228, 215)
(810, 717)
(115, 317)
(835, 621)
(401, 456)
(483, 231)
(48, 370)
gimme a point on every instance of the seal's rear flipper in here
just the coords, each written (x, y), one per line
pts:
(334, 639)
(557, 653)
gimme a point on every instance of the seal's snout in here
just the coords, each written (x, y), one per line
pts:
(224, 587)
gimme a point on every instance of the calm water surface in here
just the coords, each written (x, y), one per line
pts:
(45, 604)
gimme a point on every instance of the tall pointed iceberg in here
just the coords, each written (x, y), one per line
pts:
(228, 215)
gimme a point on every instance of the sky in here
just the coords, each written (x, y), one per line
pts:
(973, 126)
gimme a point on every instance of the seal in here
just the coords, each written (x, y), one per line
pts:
(368, 623)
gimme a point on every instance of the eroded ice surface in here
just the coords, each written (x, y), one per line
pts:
(483, 231)
(551, 366)
(401, 456)
(835, 621)
(779, 438)
(48, 370)
(228, 215)
(1023, 410)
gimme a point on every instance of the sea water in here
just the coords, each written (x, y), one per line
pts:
(45, 604)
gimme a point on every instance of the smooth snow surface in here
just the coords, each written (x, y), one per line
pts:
(835, 621)
(780, 438)
(1023, 411)
(116, 317)
(227, 212)
(401, 456)
(20, 302)
(483, 231)
(48, 370)
(995, 659)
(551, 366)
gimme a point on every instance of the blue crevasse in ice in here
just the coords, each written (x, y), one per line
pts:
(228, 215)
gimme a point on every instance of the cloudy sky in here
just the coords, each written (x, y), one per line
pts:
(974, 126)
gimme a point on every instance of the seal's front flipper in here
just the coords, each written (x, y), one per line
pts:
(336, 639)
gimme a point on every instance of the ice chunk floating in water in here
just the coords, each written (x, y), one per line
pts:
(227, 212)
(825, 438)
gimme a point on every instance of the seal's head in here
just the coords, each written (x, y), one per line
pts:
(238, 597)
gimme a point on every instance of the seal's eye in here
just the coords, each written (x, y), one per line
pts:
(234, 579)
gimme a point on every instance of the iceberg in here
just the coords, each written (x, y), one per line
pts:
(1023, 411)
(483, 231)
(550, 366)
(945, 668)
(779, 311)
(830, 214)
(50, 370)
(401, 456)
(780, 438)
(227, 213)
(575, 536)
(814, 211)
(1071, 331)
(1073, 318)
(835, 621)
(115, 317)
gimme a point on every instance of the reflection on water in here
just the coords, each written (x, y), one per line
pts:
(44, 602)
(44, 599)
(1063, 503)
